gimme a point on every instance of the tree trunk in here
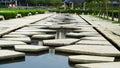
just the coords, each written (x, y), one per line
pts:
(106, 3)
(119, 12)
(112, 10)
(72, 5)
(100, 8)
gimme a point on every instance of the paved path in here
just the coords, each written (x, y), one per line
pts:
(71, 35)
(12, 24)
(110, 30)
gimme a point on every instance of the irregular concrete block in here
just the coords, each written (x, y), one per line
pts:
(94, 38)
(90, 50)
(59, 42)
(89, 59)
(8, 54)
(99, 65)
(93, 42)
(83, 34)
(14, 36)
(65, 26)
(23, 39)
(24, 33)
(36, 30)
(45, 36)
(83, 31)
(30, 48)
(6, 43)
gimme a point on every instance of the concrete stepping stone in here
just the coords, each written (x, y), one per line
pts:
(79, 25)
(30, 48)
(83, 34)
(94, 38)
(6, 43)
(60, 42)
(99, 65)
(45, 36)
(93, 42)
(90, 50)
(89, 59)
(24, 33)
(8, 54)
(36, 30)
(23, 39)
(84, 31)
(14, 36)
(65, 26)
(86, 28)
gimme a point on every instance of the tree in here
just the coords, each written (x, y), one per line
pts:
(112, 10)
(119, 12)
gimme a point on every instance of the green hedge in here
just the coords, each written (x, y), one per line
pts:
(12, 13)
(72, 11)
(115, 13)
(8, 15)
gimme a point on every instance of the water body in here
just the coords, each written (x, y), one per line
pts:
(42, 61)
(46, 60)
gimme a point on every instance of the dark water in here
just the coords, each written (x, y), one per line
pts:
(42, 61)
(47, 59)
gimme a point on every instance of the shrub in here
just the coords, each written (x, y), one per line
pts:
(8, 15)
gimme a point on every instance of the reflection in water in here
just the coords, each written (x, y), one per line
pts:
(60, 34)
(42, 61)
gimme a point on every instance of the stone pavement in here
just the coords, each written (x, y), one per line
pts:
(66, 33)
(7, 26)
(107, 28)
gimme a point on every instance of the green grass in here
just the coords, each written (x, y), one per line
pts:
(114, 22)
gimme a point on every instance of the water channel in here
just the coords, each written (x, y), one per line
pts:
(47, 59)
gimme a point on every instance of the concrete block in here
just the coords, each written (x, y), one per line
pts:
(30, 48)
(6, 43)
(45, 36)
(93, 42)
(99, 65)
(14, 36)
(90, 50)
(60, 42)
(8, 54)
(83, 34)
(94, 38)
(89, 59)
(23, 39)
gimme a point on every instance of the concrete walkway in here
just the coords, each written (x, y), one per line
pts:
(7, 26)
(107, 28)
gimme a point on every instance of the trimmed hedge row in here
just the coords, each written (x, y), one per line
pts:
(72, 11)
(115, 13)
(8, 15)
(87, 12)
(12, 13)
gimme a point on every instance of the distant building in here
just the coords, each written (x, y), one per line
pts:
(7, 2)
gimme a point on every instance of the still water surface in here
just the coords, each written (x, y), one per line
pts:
(42, 61)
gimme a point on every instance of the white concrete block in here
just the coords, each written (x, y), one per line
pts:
(45, 36)
(30, 48)
(59, 42)
(89, 59)
(90, 50)
(93, 42)
(99, 65)
(8, 54)
(6, 43)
